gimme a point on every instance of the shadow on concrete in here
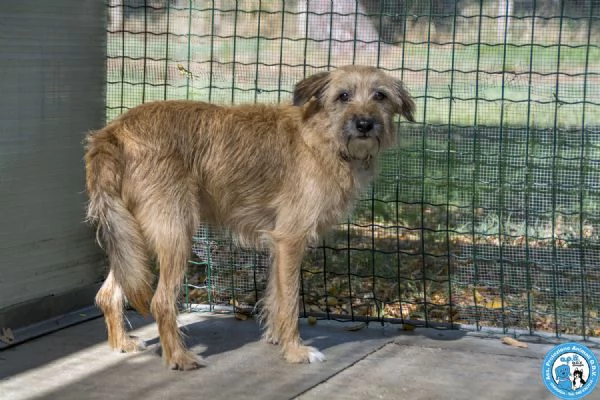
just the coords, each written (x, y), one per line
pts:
(209, 337)
(45, 349)
(238, 364)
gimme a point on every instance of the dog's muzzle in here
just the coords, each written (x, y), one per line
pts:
(362, 137)
(364, 125)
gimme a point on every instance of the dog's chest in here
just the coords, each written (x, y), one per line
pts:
(334, 200)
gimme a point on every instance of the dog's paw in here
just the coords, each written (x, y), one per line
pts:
(315, 355)
(303, 354)
(130, 344)
(268, 337)
(184, 361)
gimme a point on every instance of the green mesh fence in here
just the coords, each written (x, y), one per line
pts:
(486, 215)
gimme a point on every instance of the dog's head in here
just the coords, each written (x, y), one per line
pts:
(359, 103)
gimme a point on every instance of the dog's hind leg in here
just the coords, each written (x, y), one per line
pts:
(169, 225)
(110, 299)
(119, 234)
(282, 299)
(129, 275)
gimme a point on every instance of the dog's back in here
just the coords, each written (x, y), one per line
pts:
(206, 148)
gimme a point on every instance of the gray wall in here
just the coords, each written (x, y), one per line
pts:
(52, 77)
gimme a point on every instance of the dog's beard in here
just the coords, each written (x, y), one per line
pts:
(363, 148)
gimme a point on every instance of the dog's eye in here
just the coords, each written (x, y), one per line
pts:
(379, 96)
(344, 97)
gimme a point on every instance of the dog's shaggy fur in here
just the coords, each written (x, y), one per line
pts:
(275, 175)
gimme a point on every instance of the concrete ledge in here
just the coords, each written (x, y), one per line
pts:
(47, 314)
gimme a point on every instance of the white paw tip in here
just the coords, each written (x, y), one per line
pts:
(315, 355)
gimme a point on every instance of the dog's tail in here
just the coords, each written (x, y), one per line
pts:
(118, 231)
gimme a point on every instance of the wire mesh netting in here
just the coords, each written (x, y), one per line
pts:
(485, 214)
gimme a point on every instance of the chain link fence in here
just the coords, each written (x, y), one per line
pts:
(486, 215)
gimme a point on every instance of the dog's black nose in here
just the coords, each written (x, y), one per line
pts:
(364, 125)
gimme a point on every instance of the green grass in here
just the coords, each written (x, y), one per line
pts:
(499, 94)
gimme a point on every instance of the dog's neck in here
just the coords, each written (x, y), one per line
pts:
(360, 172)
(363, 171)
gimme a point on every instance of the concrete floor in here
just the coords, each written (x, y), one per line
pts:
(381, 362)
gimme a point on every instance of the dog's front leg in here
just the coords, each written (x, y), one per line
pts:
(282, 299)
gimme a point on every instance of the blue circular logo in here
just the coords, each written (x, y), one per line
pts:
(570, 371)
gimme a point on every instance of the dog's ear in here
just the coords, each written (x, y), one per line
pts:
(310, 108)
(406, 105)
(310, 87)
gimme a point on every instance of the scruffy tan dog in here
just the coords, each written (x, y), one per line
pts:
(277, 176)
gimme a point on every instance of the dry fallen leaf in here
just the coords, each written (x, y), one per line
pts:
(356, 327)
(514, 342)
(493, 303)
(240, 316)
(7, 336)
